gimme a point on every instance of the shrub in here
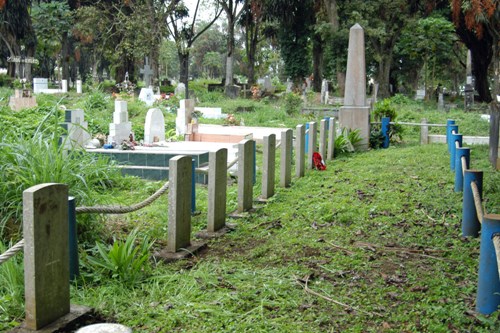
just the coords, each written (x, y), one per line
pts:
(347, 142)
(11, 289)
(293, 103)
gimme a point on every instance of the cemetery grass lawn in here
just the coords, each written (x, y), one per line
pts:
(372, 244)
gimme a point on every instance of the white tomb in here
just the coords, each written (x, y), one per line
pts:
(78, 86)
(121, 128)
(40, 84)
(154, 128)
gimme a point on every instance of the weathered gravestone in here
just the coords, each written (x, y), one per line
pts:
(324, 91)
(154, 129)
(147, 96)
(78, 86)
(147, 73)
(180, 90)
(77, 135)
(355, 113)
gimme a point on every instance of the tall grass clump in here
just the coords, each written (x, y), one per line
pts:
(11, 290)
(28, 160)
(125, 260)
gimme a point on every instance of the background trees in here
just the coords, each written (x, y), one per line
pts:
(408, 41)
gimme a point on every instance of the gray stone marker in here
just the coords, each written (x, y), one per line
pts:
(311, 144)
(46, 256)
(331, 139)
(217, 189)
(179, 203)
(269, 166)
(322, 138)
(300, 147)
(286, 158)
(355, 113)
(147, 73)
(245, 175)
(424, 132)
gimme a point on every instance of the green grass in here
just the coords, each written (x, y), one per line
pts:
(376, 237)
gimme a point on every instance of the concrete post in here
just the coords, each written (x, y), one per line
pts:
(424, 132)
(286, 158)
(300, 151)
(179, 203)
(245, 175)
(331, 139)
(217, 189)
(322, 138)
(46, 257)
(269, 166)
(311, 144)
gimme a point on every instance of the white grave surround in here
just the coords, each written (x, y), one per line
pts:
(147, 96)
(41, 85)
(154, 128)
(121, 128)
(211, 113)
(184, 116)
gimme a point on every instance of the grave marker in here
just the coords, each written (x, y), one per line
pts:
(154, 128)
(286, 158)
(121, 128)
(300, 151)
(147, 73)
(355, 112)
(268, 166)
(217, 189)
(46, 258)
(245, 175)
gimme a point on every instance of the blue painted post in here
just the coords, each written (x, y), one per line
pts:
(307, 139)
(459, 176)
(470, 224)
(385, 131)
(454, 138)
(74, 270)
(488, 287)
(449, 122)
(449, 130)
(193, 186)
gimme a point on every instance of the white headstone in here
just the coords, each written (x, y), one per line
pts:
(78, 86)
(40, 84)
(64, 86)
(121, 128)
(267, 83)
(180, 90)
(324, 91)
(147, 96)
(154, 129)
(184, 116)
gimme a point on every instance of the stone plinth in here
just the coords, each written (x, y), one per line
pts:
(357, 117)
(77, 134)
(121, 128)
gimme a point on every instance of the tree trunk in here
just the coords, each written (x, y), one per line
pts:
(384, 70)
(65, 57)
(184, 70)
(230, 49)
(317, 62)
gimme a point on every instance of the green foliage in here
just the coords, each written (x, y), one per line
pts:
(292, 103)
(383, 109)
(347, 142)
(125, 261)
(5, 80)
(11, 290)
(29, 160)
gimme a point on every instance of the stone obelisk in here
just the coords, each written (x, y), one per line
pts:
(355, 114)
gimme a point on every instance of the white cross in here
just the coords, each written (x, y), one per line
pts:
(147, 72)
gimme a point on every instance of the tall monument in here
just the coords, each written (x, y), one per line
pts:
(355, 114)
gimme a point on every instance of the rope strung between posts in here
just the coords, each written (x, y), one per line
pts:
(19, 246)
(233, 162)
(123, 209)
(496, 243)
(477, 201)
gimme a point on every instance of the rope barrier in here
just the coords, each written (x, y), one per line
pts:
(233, 162)
(496, 244)
(19, 246)
(477, 201)
(123, 209)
